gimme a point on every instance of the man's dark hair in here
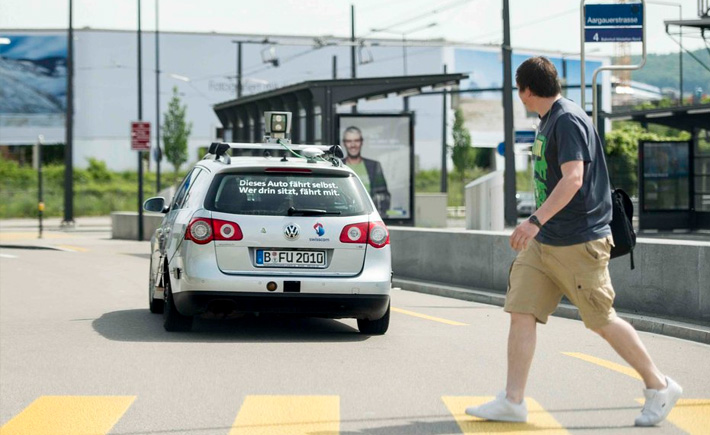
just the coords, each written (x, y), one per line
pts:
(351, 129)
(540, 76)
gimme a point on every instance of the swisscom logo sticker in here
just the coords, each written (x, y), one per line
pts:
(320, 231)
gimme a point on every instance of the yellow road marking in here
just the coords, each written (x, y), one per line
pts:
(607, 364)
(539, 421)
(73, 248)
(424, 316)
(69, 415)
(4, 237)
(274, 415)
(691, 415)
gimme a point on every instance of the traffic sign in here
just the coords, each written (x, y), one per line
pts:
(613, 22)
(140, 135)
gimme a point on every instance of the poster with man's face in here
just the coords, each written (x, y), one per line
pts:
(378, 149)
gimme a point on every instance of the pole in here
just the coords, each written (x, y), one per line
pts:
(511, 214)
(239, 69)
(444, 150)
(404, 52)
(69, 129)
(335, 67)
(680, 54)
(40, 192)
(353, 72)
(140, 118)
(159, 156)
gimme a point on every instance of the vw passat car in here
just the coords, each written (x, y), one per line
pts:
(263, 233)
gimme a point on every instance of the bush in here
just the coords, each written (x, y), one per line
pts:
(97, 190)
(621, 149)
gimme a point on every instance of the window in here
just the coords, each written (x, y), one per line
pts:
(273, 194)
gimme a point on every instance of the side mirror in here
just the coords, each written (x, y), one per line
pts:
(156, 205)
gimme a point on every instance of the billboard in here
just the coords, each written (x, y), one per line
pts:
(665, 176)
(33, 80)
(380, 149)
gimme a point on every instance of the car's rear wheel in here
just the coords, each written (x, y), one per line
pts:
(155, 305)
(173, 321)
(375, 327)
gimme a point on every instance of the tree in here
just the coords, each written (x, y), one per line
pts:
(621, 149)
(176, 131)
(463, 155)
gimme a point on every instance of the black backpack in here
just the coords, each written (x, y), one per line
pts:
(621, 225)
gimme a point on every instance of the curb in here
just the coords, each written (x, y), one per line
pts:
(670, 328)
(34, 247)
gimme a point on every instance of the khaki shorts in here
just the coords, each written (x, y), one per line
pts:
(541, 274)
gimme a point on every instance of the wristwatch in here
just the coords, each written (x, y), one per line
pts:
(535, 221)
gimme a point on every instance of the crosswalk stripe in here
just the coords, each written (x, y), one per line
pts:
(604, 363)
(691, 415)
(275, 415)
(50, 415)
(539, 421)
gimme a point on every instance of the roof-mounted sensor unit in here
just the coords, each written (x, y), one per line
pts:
(277, 126)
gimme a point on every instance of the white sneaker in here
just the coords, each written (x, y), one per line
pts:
(500, 409)
(659, 403)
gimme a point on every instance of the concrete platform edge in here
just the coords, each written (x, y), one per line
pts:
(685, 331)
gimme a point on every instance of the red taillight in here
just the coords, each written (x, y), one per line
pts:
(374, 233)
(378, 235)
(225, 230)
(355, 233)
(199, 231)
(203, 230)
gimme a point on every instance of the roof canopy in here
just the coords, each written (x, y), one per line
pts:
(313, 104)
(686, 118)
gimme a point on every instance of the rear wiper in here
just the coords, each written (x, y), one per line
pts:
(293, 211)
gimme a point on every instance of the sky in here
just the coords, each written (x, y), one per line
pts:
(551, 25)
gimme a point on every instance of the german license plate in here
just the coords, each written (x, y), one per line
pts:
(273, 258)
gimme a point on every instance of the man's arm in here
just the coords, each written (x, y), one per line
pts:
(570, 183)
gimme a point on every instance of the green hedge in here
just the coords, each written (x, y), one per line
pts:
(97, 191)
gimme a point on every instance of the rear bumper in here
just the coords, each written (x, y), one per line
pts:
(332, 306)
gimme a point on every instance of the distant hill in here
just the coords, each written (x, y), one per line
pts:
(662, 70)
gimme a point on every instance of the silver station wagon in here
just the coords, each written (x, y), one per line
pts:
(273, 228)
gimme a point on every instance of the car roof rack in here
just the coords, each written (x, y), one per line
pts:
(217, 151)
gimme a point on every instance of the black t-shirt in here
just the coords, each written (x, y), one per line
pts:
(567, 134)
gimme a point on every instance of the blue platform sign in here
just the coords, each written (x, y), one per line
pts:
(613, 22)
(524, 136)
(620, 34)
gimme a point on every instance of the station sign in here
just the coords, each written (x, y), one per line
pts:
(140, 136)
(613, 22)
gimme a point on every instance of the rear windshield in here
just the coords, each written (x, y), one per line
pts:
(274, 194)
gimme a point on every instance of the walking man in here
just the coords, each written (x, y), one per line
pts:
(563, 249)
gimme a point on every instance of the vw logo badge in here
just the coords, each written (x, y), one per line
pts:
(291, 231)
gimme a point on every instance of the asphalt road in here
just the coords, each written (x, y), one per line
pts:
(80, 353)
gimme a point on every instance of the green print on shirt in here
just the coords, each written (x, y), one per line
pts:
(540, 175)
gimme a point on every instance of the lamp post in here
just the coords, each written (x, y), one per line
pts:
(140, 118)
(239, 68)
(158, 151)
(69, 129)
